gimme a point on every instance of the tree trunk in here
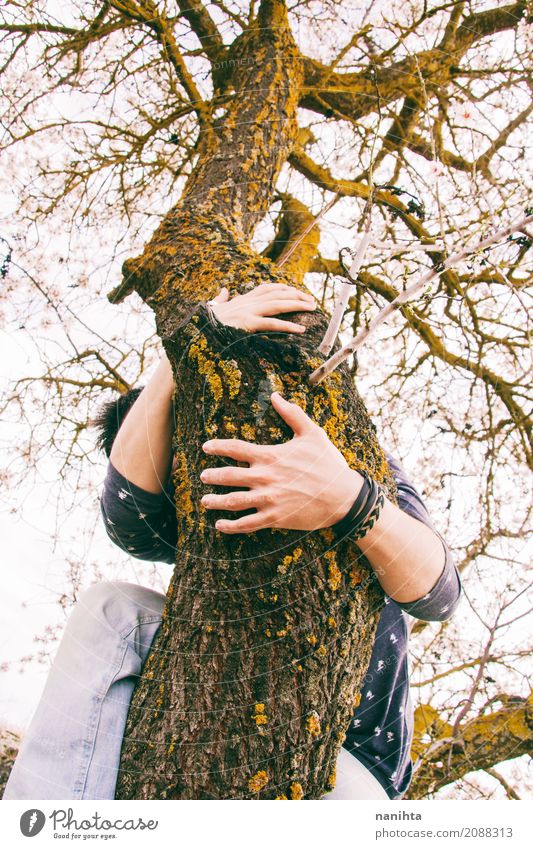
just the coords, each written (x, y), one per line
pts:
(266, 637)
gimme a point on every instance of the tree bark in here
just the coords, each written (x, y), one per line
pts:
(266, 637)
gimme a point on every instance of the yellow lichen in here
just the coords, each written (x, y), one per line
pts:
(321, 651)
(183, 496)
(248, 432)
(206, 366)
(312, 724)
(355, 574)
(258, 781)
(332, 622)
(259, 716)
(332, 780)
(282, 796)
(311, 639)
(233, 376)
(334, 573)
(288, 560)
(296, 790)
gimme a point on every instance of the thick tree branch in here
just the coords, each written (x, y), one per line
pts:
(203, 25)
(296, 228)
(482, 743)
(353, 95)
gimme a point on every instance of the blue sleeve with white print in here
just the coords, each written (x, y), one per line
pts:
(141, 523)
(381, 730)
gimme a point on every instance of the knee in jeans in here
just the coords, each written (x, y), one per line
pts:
(115, 605)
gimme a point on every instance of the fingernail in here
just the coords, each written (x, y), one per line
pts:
(302, 327)
(207, 446)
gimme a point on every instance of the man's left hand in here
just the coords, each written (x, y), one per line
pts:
(304, 484)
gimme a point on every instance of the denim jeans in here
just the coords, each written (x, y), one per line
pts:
(72, 747)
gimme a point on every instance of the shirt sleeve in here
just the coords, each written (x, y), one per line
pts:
(442, 599)
(141, 523)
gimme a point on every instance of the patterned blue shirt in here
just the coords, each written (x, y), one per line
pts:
(381, 730)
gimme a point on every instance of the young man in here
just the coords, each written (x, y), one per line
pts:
(72, 748)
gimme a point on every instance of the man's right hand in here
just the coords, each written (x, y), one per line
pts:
(252, 310)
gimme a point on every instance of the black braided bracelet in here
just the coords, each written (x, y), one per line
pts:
(364, 512)
(357, 507)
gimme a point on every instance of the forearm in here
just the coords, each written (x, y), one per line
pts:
(407, 556)
(142, 450)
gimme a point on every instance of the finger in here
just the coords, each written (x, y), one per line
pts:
(277, 324)
(229, 476)
(292, 414)
(281, 290)
(234, 501)
(222, 296)
(289, 292)
(244, 525)
(238, 449)
(281, 305)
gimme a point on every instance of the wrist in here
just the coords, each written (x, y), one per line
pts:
(364, 512)
(347, 494)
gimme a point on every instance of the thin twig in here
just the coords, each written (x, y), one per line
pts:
(347, 289)
(407, 295)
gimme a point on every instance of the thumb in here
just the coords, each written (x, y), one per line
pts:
(222, 296)
(291, 413)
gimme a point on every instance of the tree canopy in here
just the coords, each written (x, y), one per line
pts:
(415, 113)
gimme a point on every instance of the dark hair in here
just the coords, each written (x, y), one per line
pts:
(110, 417)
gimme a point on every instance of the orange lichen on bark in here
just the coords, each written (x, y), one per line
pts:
(248, 432)
(289, 560)
(334, 573)
(199, 351)
(355, 574)
(312, 724)
(183, 493)
(257, 781)
(296, 790)
(260, 716)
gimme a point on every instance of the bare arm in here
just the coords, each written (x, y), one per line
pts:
(407, 556)
(142, 450)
